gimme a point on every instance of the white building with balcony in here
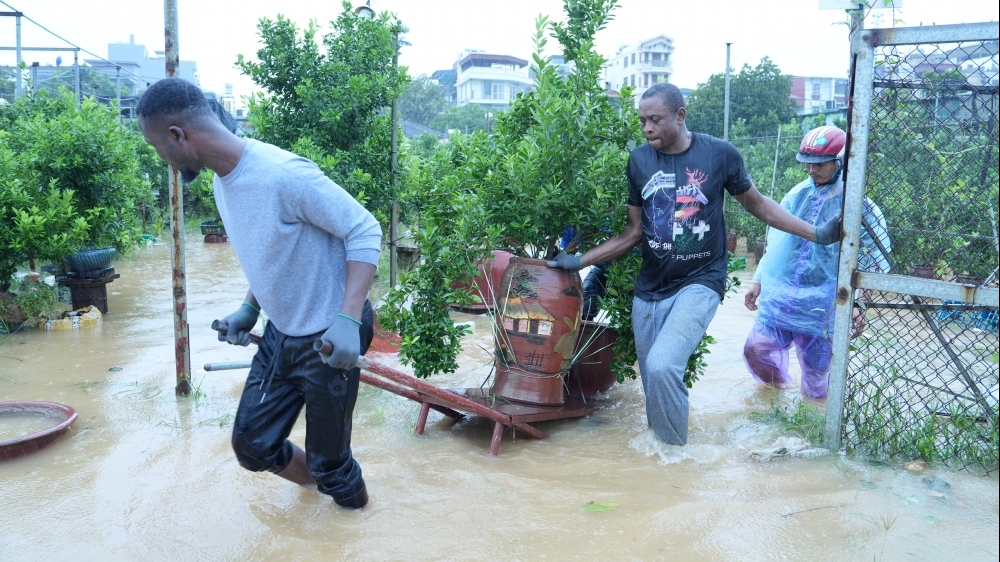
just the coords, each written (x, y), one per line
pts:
(640, 65)
(816, 94)
(492, 81)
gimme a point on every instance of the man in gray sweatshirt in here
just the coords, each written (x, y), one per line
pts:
(309, 252)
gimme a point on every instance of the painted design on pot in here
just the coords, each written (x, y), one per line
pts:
(521, 283)
(521, 318)
(572, 292)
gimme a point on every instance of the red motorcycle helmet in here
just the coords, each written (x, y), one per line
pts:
(822, 144)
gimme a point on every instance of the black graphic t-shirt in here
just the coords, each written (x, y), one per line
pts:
(683, 229)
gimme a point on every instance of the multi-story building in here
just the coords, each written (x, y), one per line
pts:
(814, 94)
(640, 65)
(144, 68)
(490, 80)
(983, 71)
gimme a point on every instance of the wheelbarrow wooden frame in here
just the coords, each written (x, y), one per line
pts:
(454, 404)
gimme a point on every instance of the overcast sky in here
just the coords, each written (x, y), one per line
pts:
(796, 34)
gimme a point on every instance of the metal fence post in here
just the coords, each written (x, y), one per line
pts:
(394, 150)
(18, 89)
(863, 72)
(774, 169)
(725, 118)
(76, 76)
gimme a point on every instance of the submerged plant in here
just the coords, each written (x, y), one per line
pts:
(795, 416)
(36, 299)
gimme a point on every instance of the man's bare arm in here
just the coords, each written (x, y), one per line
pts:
(620, 244)
(774, 215)
(359, 283)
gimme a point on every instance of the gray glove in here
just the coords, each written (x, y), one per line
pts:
(238, 325)
(828, 232)
(565, 261)
(345, 336)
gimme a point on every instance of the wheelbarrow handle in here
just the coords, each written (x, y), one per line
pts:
(319, 344)
(254, 338)
(323, 346)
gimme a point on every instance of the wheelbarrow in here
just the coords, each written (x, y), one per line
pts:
(452, 403)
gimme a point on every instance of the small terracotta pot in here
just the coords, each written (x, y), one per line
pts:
(731, 240)
(924, 271)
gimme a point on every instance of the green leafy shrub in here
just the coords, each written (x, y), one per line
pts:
(330, 93)
(556, 159)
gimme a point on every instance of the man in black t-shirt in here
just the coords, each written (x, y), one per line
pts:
(677, 182)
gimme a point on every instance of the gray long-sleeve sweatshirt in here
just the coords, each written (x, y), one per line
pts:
(293, 230)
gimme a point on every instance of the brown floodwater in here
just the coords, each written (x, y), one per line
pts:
(147, 475)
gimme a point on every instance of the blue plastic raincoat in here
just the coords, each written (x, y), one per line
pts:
(798, 278)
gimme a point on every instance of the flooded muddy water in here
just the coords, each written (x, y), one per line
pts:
(147, 475)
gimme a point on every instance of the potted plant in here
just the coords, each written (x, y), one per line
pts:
(556, 159)
(200, 200)
(86, 151)
(41, 221)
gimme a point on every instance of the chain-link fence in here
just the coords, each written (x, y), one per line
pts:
(922, 381)
(101, 83)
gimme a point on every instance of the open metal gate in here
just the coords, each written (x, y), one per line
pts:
(922, 381)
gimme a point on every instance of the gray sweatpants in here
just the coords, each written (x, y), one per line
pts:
(666, 333)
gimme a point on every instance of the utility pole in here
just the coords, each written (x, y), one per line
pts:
(725, 123)
(182, 347)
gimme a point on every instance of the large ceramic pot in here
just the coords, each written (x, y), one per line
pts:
(591, 372)
(90, 262)
(487, 284)
(538, 315)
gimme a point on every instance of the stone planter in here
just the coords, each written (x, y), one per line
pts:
(212, 227)
(214, 232)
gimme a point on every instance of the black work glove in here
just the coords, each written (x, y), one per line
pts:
(828, 232)
(565, 261)
(238, 325)
(345, 336)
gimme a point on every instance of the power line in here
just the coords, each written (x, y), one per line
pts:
(68, 42)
